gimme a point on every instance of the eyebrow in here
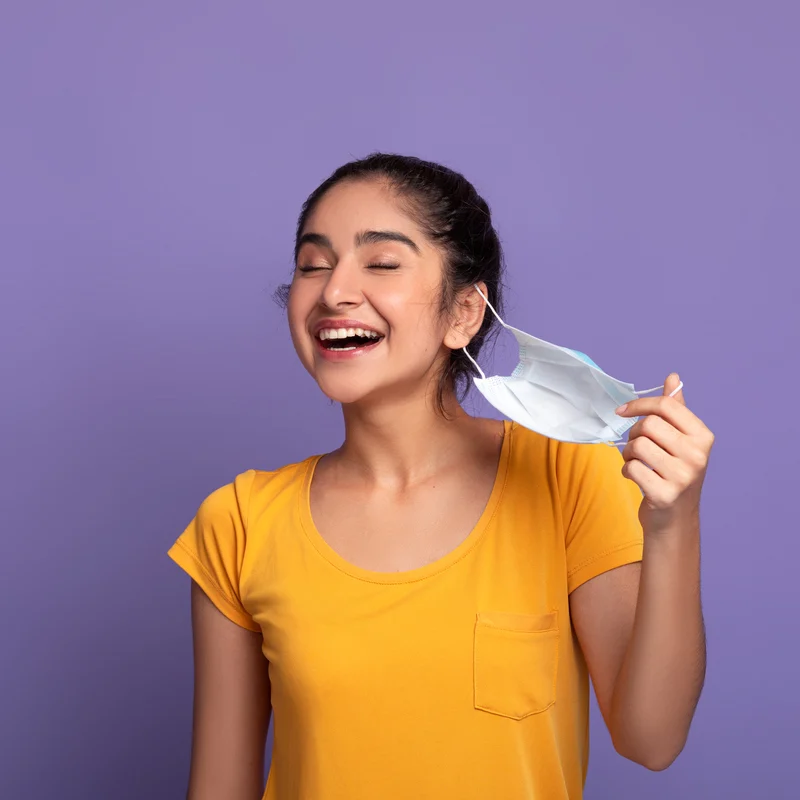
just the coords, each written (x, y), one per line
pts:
(362, 238)
(376, 237)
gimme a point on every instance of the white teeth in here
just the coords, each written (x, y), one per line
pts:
(342, 333)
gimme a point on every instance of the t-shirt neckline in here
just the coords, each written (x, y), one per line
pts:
(418, 573)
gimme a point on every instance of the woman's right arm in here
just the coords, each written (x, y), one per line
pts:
(231, 707)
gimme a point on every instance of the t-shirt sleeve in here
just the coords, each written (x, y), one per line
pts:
(212, 548)
(600, 510)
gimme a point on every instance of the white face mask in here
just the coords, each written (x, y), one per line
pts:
(559, 393)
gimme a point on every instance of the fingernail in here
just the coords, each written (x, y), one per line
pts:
(621, 409)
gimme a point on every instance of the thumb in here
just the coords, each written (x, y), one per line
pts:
(672, 382)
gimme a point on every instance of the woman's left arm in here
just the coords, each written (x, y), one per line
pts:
(640, 626)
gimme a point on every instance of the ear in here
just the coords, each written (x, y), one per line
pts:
(467, 317)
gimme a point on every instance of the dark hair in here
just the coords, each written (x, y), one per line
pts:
(455, 218)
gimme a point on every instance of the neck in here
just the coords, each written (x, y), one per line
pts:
(399, 443)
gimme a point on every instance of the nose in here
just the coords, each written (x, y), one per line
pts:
(343, 287)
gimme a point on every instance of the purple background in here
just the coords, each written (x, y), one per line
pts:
(641, 163)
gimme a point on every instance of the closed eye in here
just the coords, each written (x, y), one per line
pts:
(311, 268)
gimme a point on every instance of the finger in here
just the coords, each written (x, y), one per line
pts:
(669, 408)
(649, 481)
(658, 430)
(671, 384)
(649, 453)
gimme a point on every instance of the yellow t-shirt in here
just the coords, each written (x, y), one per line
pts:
(460, 679)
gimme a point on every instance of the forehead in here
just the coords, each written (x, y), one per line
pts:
(354, 206)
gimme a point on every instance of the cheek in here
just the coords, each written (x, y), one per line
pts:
(300, 301)
(417, 326)
(296, 316)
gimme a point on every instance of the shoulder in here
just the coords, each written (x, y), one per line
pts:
(230, 498)
(572, 471)
(528, 442)
(249, 489)
(531, 455)
(273, 493)
(567, 459)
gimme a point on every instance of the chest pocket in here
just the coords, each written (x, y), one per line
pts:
(515, 663)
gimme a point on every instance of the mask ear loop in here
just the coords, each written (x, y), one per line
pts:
(485, 300)
(623, 442)
(491, 307)
(474, 362)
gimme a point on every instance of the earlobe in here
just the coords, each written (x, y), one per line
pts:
(456, 333)
(471, 309)
(457, 337)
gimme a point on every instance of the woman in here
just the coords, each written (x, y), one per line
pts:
(422, 608)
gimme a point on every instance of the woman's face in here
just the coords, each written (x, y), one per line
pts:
(365, 268)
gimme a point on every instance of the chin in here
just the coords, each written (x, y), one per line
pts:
(345, 391)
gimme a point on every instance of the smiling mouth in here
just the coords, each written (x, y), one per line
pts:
(338, 340)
